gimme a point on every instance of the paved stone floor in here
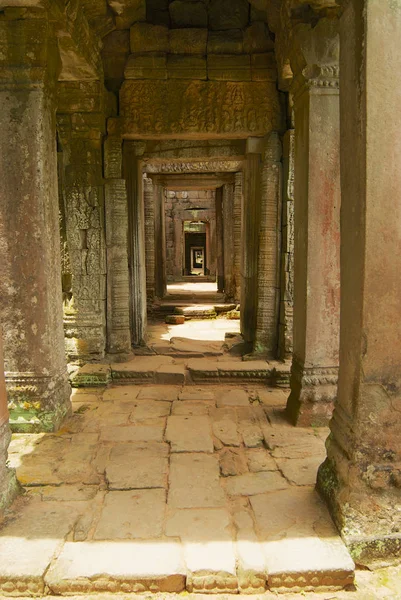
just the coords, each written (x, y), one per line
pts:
(167, 488)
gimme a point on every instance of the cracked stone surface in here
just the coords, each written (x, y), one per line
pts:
(150, 488)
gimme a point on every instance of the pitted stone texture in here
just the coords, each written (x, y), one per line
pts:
(135, 514)
(151, 430)
(135, 466)
(192, 409)
(228, 14)
(225, 428)
(232, 462)
(188, 41)
(251, 484)
(124, 567)
(196, 394)
(188, 14)
(301, 544)
(208, 548)
(28, 544)
(149, 409)
(301, 471)
(194, 482)
(166, 393)
(260, 459)
(189, 434)
(251, 568)
(145, 37)
(124, 394)
(236, 397)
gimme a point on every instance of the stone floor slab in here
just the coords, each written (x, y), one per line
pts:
(196, 394)
(235, 397)
(194, 482)
(208, 548)
(301, 471)
(29, 542)
(302, 547)
(167, 393)
(225, 427)
(118, 567)
(149, 409)
(251, 484)
(189, 434)
(124, 393)
(260, 459)
(136, 514)
(133, 466)
(192, 409)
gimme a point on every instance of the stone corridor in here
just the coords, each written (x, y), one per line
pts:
(171, 488)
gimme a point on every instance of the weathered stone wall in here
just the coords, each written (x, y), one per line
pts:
(179, 208)
(287, 250)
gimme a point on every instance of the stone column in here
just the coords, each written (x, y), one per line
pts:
(118, 293)
(30, 269)
(251, 213)
(82, 194)
(220, 240)
(149, 211)
(178, 248)
(237, 236)
(317, 221)
(361, 478)
(285, 344)
(8, 483)
(269, 250)
(160, 241)
(136, 244)
(228, 240)
(213, 247)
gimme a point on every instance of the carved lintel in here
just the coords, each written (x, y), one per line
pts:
(212, 166)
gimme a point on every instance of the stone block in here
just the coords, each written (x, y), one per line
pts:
(251, 563)
(186, 67)
(232, 398)
(165, 393)
(208, 549)
(264, 67)
(119, 567)
(188, 41)
(149, 409)
(171, 374)
(302, 547)
(175, 319)
(189, 434)
(227, 67)
(232, 462)
(225, 42)
(145, 37)
(224, 425)
(188, 14)
(91, 375)
(194, 394)
(135, 514)
(194, 481)
(192, 409)
(228, 14)
(203, 370)
(257, 39)
(260, 459)
(140, 369)
(301, 471)
(256, 370)
(146, 66)
(121, 394)
(151, 430)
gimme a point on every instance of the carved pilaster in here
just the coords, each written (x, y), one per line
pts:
(317, 202)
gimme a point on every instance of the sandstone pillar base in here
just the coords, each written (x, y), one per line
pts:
(313, 393)
(9, 486)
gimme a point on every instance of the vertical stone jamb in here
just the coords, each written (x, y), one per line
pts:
(228, 241)
(361, 478)
(8, 483)
(30, 267)
(269, 249)
(220, 240)
(149, 208)
(285, 345)
(160, 241)
(116, 209)
(238, 185)
(317, 221)
(136, 244)
(251, 214)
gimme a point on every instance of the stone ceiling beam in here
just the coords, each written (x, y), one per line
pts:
(192, 182)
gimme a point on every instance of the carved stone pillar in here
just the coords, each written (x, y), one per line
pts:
(8, 483)
(237, 236)
(250, 222)
(160, 241)
(136, 245)
(269, 249)
(30, 269)
(285, 344)
(228, 240)
(82, 194)
(361, 478)
(118, 292)
(149, 211)
(317, 221)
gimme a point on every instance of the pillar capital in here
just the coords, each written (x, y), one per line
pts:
(315, 58)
